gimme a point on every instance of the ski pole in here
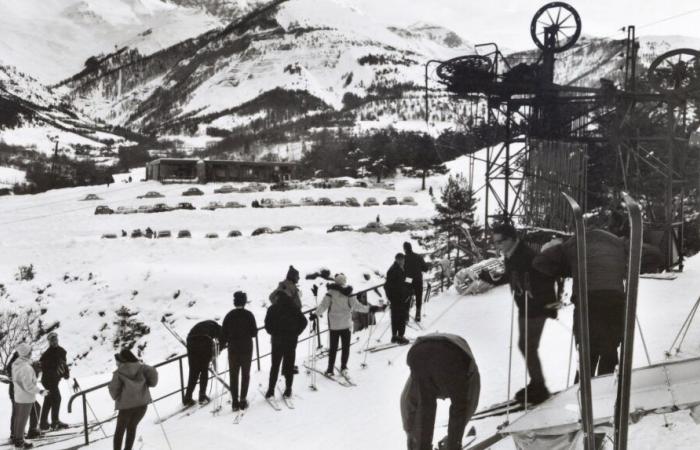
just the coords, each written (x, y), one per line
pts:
(369, 339)
(510, 358)
(161, 425)
(75, 384)
(571, 353)
(526, 343)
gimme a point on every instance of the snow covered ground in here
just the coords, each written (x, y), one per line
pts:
(81, 280)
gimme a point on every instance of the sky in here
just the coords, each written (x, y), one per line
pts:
(507, 22)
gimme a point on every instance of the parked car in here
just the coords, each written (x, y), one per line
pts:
(109, 236)
(409, 201)
(192, 191)
(324, 201)
(399, 226)
(262, 230)
(102, 209)
(286, 228)
(308, 201)
(144, 209)
(185, 205)
(340, 203)
(92, 197)
(160, 207)
(336, 228)
(362, 184)
(269, 203)
(247, 189)
(212, 206)
(234, 233)
(233, 204)
(225, 189)
(257, 187)
(352, 201)
(371, 201)
(137, 233)
(287, 203)
(151, 194)
(164, 234)
(390, 201)
(125, 210)
(374, 227)
(281, 186)
(212, 235)
(184, 234)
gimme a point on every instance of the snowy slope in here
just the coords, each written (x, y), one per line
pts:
(81, 280)
(51, 39)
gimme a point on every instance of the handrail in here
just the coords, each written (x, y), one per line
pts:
(83, 393)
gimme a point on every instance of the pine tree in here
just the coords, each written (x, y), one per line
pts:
(456, 221)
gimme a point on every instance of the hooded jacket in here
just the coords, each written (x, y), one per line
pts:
(24, 381)
(284, 321)
(130, 383)
(288, 288)
(340, 306)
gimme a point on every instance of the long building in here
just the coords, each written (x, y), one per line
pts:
(203, 171)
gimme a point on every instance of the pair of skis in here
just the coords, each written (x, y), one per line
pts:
(625, 373)
(387, 346)
(341, 379)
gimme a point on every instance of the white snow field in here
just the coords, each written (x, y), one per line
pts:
(81, 280)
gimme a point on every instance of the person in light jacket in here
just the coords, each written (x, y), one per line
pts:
(129, 389)
(340, 305)
(25, 386)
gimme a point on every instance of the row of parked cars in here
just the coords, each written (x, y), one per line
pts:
(325, 201)
(138, 233)
(399, 226)
(162, 207)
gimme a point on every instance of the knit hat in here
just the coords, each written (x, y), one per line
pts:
(239, 298)
(125, 356)
(340, 279)
(51, 335)
(24, 349)
(292, 273)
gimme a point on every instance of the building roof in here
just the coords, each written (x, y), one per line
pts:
(222, 161)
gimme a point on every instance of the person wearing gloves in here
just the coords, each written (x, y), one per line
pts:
(340, 305)
(25, 386)
(129, 389)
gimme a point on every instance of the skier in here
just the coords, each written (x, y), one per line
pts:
(532, 291)
(340, 305)
(288, 287)
(24, 382)
(54, 367)
(129, 388)
(284, 322)
(36, 407)
(237, 332)
(149, 233)
(606, 272)
(398, 293)
(414, 268)
(442, 366)
(201, 341)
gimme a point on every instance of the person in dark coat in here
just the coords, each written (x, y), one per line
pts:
(284, 322)
(201, 341)
(53, 368)
(237, 332)
(288, 287)
(414, 268)
(129, 388)
(536, 299)
(606, 256)
(398, 293)
(36, 408)
(442, 366)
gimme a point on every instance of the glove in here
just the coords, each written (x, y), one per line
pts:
(374, 308)
(313, 317)
(43, 392)
(314, 290)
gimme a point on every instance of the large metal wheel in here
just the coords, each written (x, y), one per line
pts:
(677, 70)
(461, 65)
(559, 18)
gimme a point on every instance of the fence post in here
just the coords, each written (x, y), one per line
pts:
(182, 381)
(257, 352)
(85, 420)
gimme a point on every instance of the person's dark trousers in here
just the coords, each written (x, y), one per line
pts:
(127, 421)
(22, 413)
(399, 317)
(418, 293)
(199, 354)
(239, 363)
(283, 353)
(33, 414)
(344, 337)
(535, 325)
(52, 403)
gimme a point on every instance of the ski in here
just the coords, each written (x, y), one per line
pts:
(496, 406)
(340, 381)
(288, 401)
(180, 410)
(346, 378)
(386, 346)
(622, 405)
(516, 408)
(586, 402)
(184, 343)
(271, 401)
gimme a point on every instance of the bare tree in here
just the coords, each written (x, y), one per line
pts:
(16, 327)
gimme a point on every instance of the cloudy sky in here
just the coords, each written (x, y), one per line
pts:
(507, 22)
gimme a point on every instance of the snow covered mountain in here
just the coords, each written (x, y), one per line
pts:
(225, 9)
(52, 39)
